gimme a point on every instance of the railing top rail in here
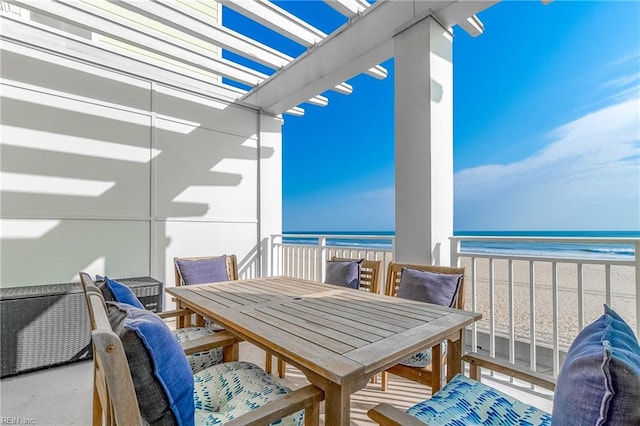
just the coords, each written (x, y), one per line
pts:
(608, 240)
(338, 236)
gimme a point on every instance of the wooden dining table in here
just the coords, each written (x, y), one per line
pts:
(338, 337)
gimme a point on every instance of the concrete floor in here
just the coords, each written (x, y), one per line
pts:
(62, 395)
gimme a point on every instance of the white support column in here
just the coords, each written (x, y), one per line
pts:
(270, 187)
(424, 142)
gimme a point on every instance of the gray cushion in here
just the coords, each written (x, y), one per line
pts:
(210, 270)
(599, 382)
(160, 371)
(344, 273)
(429, 287)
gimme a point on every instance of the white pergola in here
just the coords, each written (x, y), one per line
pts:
(187, 37)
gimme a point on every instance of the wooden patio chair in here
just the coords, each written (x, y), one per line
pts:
(429, 375)
(369, 281)
(201, 347)
(121, 384)
(184, 274)
(599, 383)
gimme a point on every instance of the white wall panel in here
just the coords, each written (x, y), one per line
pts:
(204, 173)
(206, 113)
(54, 73)
(36, 252)
(71, 157)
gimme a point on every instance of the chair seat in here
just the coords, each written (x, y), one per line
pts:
(468, 402)
(226, 391)
(201, 360)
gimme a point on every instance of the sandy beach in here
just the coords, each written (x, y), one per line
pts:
(594, 279)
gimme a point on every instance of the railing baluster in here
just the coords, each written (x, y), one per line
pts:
(580, 297)
(492, 317)
(532, 316)
(512, 331)
(554, 301)
(607, 277)
(474, 305)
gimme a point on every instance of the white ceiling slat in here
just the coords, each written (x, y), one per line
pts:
(279, 20)
(97, 20)
(348, 8)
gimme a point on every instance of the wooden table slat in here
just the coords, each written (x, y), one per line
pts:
(320, 326)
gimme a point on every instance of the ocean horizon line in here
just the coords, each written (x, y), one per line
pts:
(511, 233)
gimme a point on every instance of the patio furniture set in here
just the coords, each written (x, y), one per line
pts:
(340, 337)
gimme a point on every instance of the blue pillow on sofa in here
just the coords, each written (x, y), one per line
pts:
(161, 374)
(344, 273)
(599, 382)
(116, 291)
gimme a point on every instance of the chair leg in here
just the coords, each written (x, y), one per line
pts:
(268, 362)
(281, 368)
(312, 415)
(374, 379)
(384, 381)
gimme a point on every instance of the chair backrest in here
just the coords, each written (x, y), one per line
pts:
(232, 267)
(369, 273)
(112, 377)
(394, 273)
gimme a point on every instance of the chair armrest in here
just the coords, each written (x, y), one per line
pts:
(215, 340)
(477, 361)
(388, 415)
(275, 410)
(175, 313)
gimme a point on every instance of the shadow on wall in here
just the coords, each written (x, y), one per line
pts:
(79, 147)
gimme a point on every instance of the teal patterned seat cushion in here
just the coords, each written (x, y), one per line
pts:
(464, 401)
(228, 390)
(422, 359)
(200, 360)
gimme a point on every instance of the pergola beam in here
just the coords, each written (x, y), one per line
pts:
(367, 41)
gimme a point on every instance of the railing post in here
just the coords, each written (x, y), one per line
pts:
(322, 259)
(455, 249)
(636, 257)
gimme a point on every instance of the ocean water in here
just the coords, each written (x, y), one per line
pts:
(587, 250)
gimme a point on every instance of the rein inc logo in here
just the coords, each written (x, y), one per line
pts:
(17, 421)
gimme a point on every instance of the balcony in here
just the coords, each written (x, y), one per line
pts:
(563, 292)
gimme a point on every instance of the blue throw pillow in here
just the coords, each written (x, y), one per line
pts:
(116, 291)
(429, 287)
(344, 273)
(199, 271)
(599, 382)
(161, 374)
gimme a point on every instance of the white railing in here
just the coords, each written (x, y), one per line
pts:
(536, 303)
(533, 304)
(304, 255)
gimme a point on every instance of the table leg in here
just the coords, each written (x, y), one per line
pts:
(337, 406)
(231, 353)
(454, 357)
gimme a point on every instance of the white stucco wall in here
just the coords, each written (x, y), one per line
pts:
(115, 173)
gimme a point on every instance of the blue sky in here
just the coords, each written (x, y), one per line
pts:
(546, 126)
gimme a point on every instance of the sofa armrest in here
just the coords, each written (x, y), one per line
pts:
(477, 361)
